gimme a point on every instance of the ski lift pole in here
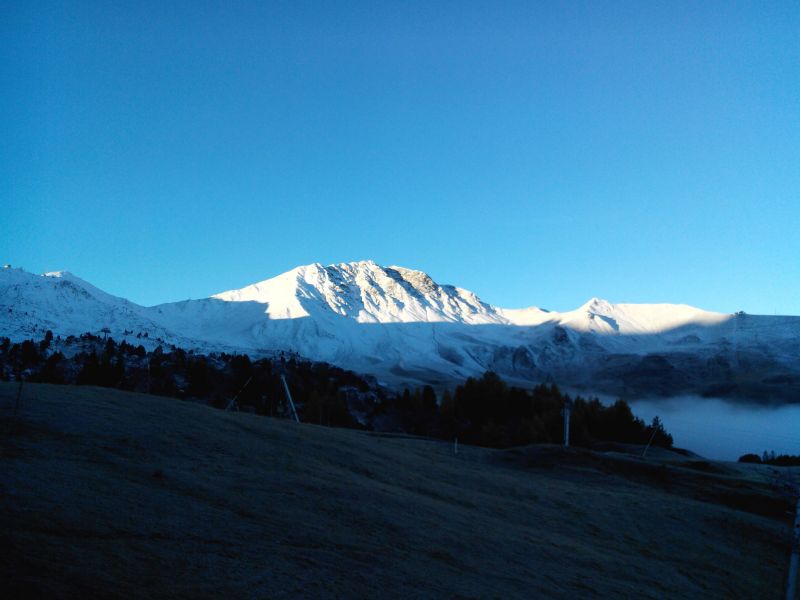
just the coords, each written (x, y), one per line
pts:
(233, 404)
(289, 398)
(794, 558)
(565, 411)
(786, 485)
(650, 441)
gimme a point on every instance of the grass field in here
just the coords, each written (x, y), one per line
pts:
(112, 494)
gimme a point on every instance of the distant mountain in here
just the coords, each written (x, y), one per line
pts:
(404, 328)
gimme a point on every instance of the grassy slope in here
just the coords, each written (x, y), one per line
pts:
(119, 494)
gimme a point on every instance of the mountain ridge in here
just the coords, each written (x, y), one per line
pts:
(401, 326)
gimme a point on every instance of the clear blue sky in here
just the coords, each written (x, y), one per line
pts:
(536, 153)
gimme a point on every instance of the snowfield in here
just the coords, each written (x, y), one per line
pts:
(404, 328)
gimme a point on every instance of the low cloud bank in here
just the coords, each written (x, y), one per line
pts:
(722, 430)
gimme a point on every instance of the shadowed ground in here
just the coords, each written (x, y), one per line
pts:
(113, 494)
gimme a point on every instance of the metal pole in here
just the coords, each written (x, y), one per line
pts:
(17, 403)
(566, 425)
(794, 559)
(233, 404)
(646, 448)
(289, 398)
(19, 397)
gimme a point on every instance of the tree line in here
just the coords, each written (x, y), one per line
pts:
(321, 391)
(770, 458)
(482, 411)
(486, 411)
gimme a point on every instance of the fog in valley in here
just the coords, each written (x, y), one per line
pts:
(724, 430)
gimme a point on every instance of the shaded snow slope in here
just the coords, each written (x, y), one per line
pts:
(403, 327)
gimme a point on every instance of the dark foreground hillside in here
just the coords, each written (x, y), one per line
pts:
(114, 494)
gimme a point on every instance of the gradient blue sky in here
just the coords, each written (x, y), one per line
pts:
(536, 153)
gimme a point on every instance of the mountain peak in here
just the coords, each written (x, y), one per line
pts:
(596, 304)
(62, 275)
(365, 292)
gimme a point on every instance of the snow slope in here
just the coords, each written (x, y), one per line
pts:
(403, 327)
(367, 293)
(65, 304)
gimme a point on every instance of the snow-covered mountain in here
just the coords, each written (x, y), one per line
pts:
(404, 328)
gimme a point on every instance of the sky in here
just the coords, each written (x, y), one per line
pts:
(535, 153)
